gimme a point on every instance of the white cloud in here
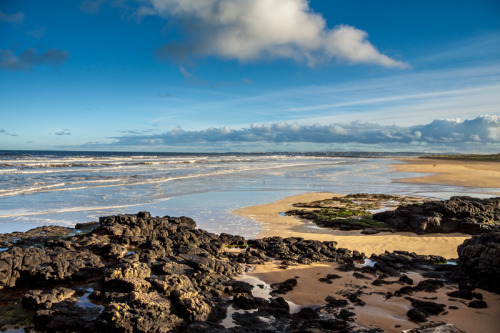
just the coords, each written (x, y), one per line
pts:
(251, 30)
(484, 129)
(450, 133)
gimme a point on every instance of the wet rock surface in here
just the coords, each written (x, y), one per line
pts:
(479, 258)
(458, 214)
(351, 212)
(146, 274)
(137, 273)
(373, 213)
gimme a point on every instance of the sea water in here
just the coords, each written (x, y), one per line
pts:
(63, 188)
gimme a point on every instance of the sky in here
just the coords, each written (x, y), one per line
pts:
(250, 75)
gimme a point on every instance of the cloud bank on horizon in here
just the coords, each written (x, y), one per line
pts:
(253, 30)
(483, 130)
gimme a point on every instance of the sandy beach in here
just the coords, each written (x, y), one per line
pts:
(379, 312)
(460, 173)
(274, 223)
(449, 172)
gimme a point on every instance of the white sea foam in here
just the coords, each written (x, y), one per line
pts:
(75, 209)
(79, 187)
(130, 182)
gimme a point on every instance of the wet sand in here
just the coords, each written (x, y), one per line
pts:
(460, 173)
(389, 315)
(275, 224)
(378, 311)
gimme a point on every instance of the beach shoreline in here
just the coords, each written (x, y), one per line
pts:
(451, 172)
(446, 172)
(275, 223)
(388, 314)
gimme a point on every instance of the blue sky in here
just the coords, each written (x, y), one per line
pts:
(243, 75)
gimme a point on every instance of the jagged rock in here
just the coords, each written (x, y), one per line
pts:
(479, 258)
(422, 309)
(283, 287)
(126, 285)
(429, 285)
(477, 304)
(306, 314)
(242, 287)
(463, 294)
(37, 266)
(332, 302)
(38, 299)
(458, 214)
(191, 305)
(417, 315)
(160, 274)
(405, 279)
(246, 302)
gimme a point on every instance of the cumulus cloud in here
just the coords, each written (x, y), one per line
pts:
(16, 18)
(251, 30)
(485, 129)
(31, 57)
(63, 132)
(4, 132)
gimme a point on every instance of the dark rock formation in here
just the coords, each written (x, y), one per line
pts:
(479, 258)
(149, 274)
(137, 273)
(458, 214)
(283, 287)
(477, 304)
(423, 309)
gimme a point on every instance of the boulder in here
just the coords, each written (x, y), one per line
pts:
(479, 258)
(458, 214)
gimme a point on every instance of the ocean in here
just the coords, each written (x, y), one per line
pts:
(63, 188)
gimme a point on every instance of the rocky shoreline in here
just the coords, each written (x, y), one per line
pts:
(403, 214)
(137, 273)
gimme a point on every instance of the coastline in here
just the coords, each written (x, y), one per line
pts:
(388, 314)
(276, 224)
(446, 172)
(451, 172)
(363, 294)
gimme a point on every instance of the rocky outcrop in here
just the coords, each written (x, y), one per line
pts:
(141, 273)
(138, 273)
(479, 258)
(458, 214)
(411, 214)
(145, 273)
